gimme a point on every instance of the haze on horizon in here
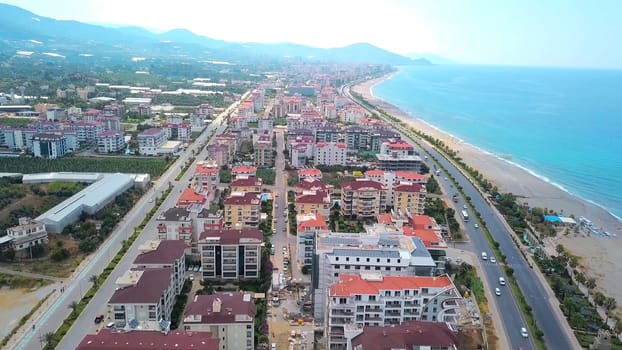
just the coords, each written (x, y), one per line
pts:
(570, 33)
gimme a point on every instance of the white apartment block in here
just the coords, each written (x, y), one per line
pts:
(110, 141)
(26, 234)
(380, 249)
(330, 153)
(371, 299)
(175, 223)
(164, 254)
(150, 140)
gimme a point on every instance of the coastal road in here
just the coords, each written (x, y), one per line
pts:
(554, 336)
(77, 286)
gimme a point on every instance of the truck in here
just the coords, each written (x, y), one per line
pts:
(276, 280)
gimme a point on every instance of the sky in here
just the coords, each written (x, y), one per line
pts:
(577, 33)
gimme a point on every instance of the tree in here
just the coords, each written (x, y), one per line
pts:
(73, 306)
(599, 298)
(94, 279)
(49, 337)
(559, 249)
(590, 283)
(610, 303)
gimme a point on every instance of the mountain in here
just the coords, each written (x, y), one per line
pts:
(430, 57)
(21, 30)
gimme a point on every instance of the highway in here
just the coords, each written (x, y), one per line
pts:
(555, 336)
(77, 287)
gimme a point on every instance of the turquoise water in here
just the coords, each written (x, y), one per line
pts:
(564, 125)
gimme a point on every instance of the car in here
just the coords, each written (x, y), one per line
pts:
(110, 325)
(523, 332)
(497, 291)
(464, 206)
(191, 277)
(99, 318)
(493, 259)
(476, 226)
(502, 281)
(273, 347)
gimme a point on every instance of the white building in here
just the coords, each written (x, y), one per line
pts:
(330, 153)
(164, 254)
(371, 299)
(231, 254)
(143, 299)
(50, 145)
(110, 141)
(227, 316)
(26, 234)
(381, 249)
(175, 223)
(150, 140)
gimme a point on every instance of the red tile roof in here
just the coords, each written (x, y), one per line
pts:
(430, 238)
(167, 252)
(245, 199)
(233, 236)
(319, 197)
(374, 172)
(385, 219)
(319, 223)
(413, 188)
(312, 185)
(407, 335)
(151, 131)
(362, 184)
(108, 339)
(231, 304)
(203, 170)
(422, 221)
(148, 290)
(400, 145)
(322, 144)
(349, 285)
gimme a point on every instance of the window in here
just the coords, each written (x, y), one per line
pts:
(377, 268)
(347, 258)
(387, 268)
(357, 297)
(388, 260)
(358, 259)
(378, 260)
(337, 258)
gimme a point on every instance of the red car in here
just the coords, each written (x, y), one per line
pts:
(99, 318)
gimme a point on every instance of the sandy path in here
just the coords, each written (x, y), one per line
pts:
(600, 254)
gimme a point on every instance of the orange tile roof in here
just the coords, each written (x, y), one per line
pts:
(189, 196)
(427, 237)
(243, 169)
(374, 172)
(319, 223)
(421, 221)
(309, 172)
(201, 170)
(349, 285)
(410, 175)
(385, 219)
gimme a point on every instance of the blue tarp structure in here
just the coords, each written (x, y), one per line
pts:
(265, 197)
(552, 218)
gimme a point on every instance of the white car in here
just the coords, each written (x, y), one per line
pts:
(497, 291)
(476, 226)
(273, 347)
(523, 332)
(493, 259)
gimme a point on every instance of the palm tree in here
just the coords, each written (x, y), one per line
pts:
(73, 306)
(94, 279)
(49, 337)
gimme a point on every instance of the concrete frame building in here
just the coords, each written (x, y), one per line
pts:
(25, 235)
(330, 153)
(363, 198)
(242, 210)
(175, 224)
(164, 254)
(110, 141)
(150, 140)
(231, 254)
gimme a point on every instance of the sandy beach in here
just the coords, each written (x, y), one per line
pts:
(599, 255)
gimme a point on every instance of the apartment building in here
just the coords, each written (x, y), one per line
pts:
(143, 300)
(379, 134)
(264, 152)
(150, 140)
(25, 235)
(179, 132)
(371, 299)
(327, 133)
(363, 198)
(409, 198)
(192, 200)
(249, 184)
(242, 210)
(208, 219)
(398, 155)
(220, 153)
(330, 153)
(392, 178)
(50, 145)
(357, 138)
(86, 132)
(168, 254)
(308, 225)
(407, 335)
(175, 224)
(381, 248)
(110, 141)
(313, 202)
(228, 316)
(231, 254)
(308, 184)
(207, 175)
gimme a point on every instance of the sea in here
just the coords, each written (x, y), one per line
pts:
(563, 125)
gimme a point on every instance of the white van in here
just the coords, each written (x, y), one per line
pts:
(502, 281)
(484, 256)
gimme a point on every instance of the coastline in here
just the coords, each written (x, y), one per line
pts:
(599, 254)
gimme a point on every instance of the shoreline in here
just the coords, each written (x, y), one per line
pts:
(599, 254)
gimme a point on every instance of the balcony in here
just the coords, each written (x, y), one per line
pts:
(341, 312)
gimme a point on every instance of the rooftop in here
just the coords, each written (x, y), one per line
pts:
(361, 185)
(313, 197)
(313, 221)
(410, 176)
(151, 132)
(175, 214)
(407, 335)
(223, 236)
(326, 144)
(412, 188)
(312, 185)
(108, 339)
(220, 308)
(160, 252)
(243, 169)
(246, 181)
(142, 286)
(371, 283)
(190, 196)
(242, 198)
(312, 172)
